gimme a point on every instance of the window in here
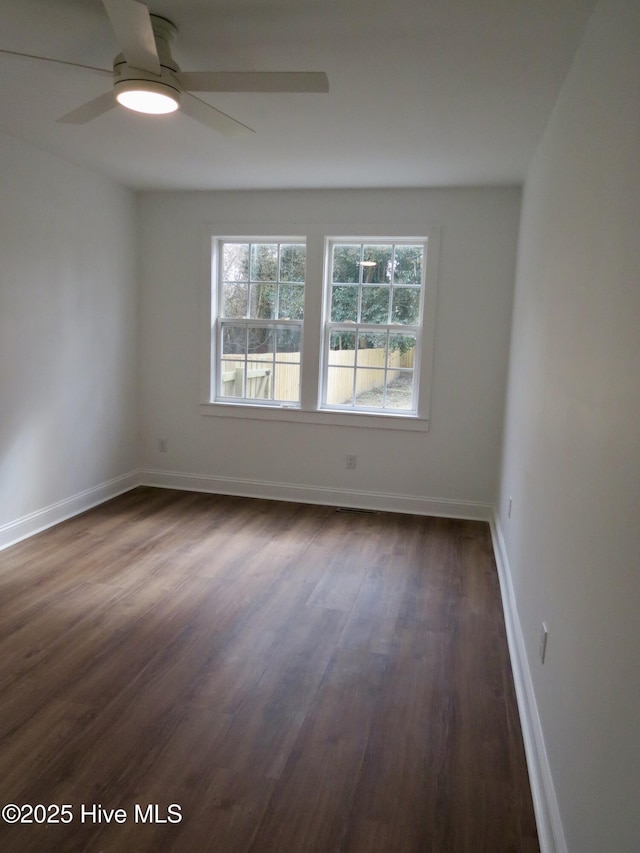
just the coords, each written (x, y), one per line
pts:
(318, 329)
(261, 306)
(372, 331)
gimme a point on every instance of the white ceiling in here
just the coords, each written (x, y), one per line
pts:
(422, 92)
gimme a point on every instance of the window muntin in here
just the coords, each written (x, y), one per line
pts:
(372, 336)
(259, 325)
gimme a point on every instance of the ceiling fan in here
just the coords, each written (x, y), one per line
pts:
(147, 79)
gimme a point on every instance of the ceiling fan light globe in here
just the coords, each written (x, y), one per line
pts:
(149, 97)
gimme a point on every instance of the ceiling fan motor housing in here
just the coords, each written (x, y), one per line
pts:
(124, 75)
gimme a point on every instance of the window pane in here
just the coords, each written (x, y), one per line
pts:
(264, 262)
(370, 388)
(375, 305)
(286, 381)
(340, 386)
(291, 302)
(260, 340)
(263, 301)
(344, 303)
(234, 299)
(401, 350)
(292, 262)
(342, 347)
(235, 262)
(288, 341)
(399, 394)
(234, 340)
(374, 342)
(408, 265)
(259, 380)
(406, 305)
(376, 264)
(346, 264)
(232, 377)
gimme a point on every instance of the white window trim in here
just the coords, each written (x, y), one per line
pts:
(317, 238)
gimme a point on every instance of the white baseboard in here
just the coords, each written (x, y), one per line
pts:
(35, 522)
(317, 495)
(545, 803)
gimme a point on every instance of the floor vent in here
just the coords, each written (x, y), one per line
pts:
(358, 511)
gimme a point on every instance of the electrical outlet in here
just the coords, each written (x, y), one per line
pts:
(544, 634)
(163, 445)
(350, 462)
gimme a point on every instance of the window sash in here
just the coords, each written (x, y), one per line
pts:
(386, 331)
(279, 254)
(357, 327)
(282, 369)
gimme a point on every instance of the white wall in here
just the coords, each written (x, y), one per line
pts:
(67, 338)
(571, 458)
(456, 461)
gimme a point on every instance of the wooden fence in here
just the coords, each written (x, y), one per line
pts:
(264, 379)
(340, 382)
(282, 379)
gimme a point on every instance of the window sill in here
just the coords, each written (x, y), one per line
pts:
(292, 414)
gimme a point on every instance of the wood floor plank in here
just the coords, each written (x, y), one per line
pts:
(294, 678)
(310, 806)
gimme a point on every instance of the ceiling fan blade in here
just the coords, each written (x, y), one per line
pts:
(206, 114)
(253, 81)
(134, 33)
(91, 110)
(58, 61)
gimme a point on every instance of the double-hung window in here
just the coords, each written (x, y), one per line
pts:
(372, 333)
(260, 298)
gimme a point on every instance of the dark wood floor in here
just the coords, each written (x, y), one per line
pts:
(296, 679)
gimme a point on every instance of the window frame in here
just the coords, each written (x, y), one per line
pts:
(316, 235)
(358, 326)
(274, 324)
